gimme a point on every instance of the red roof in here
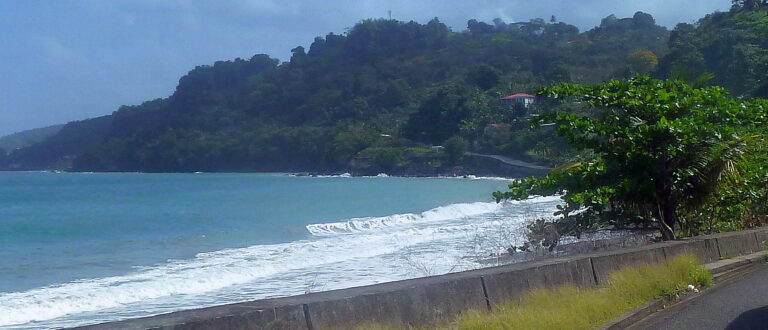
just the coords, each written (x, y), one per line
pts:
(517, 96)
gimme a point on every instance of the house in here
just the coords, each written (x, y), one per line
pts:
(519, 99)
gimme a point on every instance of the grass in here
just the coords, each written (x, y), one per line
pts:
(765, 246)
(571, 307)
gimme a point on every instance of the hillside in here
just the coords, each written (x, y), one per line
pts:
(733, 46)
(373, 99)
(27, 138)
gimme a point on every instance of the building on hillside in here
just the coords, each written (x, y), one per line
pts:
(519, 99)
(518, 105)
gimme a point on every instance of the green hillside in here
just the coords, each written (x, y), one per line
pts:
(731, 45)
(370, 100)
(27, 138)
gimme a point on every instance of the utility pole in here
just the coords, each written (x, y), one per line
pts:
(390, 14)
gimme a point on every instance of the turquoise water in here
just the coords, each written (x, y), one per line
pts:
(84, 248)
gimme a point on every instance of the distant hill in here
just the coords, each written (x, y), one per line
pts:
(59, 150)
(27, 138)
(371, 100)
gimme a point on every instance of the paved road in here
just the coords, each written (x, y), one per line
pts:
(741, 303)
(510, 161)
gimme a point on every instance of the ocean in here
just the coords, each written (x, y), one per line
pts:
(85, 248)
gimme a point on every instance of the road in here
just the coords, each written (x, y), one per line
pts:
(741, 303)
(510, 161)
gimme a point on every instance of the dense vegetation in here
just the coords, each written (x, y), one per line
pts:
(373, 99)
(731, 45)
(671, 155)
(663, 149)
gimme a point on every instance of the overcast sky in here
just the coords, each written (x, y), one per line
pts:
(66, 60)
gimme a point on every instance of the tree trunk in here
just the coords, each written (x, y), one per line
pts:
(667, 217)
(666, 203)
(667, 227)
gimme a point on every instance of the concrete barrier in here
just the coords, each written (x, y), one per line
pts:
(605, 263)
(282, 313)
(762, 238)
(426, 301)
(510, 282)
(737, 243)
(418, 302)
(705, 250)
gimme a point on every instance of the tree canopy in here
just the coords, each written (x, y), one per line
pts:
(421, 84)
(660, 146)
(733, 46)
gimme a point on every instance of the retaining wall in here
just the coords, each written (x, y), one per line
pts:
(426, 301)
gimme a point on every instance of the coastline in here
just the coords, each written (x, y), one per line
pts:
(429, 301)
(331, 174)
(395, 223)
(477, 165)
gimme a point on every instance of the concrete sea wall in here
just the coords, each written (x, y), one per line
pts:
(427, 301)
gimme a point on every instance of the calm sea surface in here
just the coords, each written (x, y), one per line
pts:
(79, 248)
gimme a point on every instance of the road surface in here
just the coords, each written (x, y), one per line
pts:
(741, 303)
(510, 161)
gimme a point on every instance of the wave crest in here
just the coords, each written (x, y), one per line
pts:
(442, 213)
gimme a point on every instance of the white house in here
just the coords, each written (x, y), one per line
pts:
(525, 100)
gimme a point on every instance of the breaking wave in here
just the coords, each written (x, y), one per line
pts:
(356, 225)
(353, 252)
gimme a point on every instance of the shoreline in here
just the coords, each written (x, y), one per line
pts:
(293, 174)
(299, 253)
(426, 301)
(479, 166)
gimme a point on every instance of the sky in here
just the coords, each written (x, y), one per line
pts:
(64, 60)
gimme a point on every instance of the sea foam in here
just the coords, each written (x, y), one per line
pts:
(342, 254)
(356, 225)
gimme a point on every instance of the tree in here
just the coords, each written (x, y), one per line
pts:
(748, 4)
(351, 140)
(299, 56)
(3, 156)
(660, 146)
(644, 20)
(455, 147)
(642, 61)
(440, 115)
(485, 76)
(479, 28)
(737, 55)
(499, 24)
(383, 158)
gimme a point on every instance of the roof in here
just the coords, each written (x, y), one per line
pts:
(517, 96)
